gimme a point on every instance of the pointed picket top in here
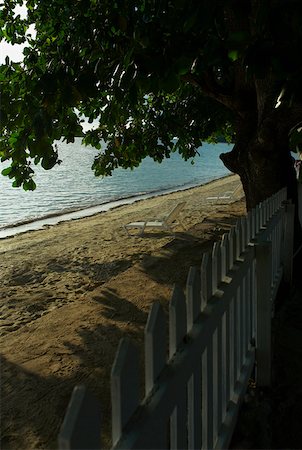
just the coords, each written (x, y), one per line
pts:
(216, 266)
(266, 211)
(243, 222)
(155, 345)
(271, 203)
(238, 239)
(82, 422)
(257, 221)
(206, 279)
(269, 208)
(261, 219)
(253, 223)
(249, 218)
(278, 200)
(124, 386)
(225, 256)
(177, 320)
(193, 296)
(232, 246)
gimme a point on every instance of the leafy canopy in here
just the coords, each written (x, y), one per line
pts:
(146, 70)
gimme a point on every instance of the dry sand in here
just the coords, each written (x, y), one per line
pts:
(70, 292)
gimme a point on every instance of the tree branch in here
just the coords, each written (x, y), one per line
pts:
(209, 87)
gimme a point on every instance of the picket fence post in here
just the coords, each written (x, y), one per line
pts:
(263, 253)
(124, 386)
(81, 427)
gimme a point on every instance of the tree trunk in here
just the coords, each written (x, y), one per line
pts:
(265, 165)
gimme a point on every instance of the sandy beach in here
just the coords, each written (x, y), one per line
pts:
(69, 292)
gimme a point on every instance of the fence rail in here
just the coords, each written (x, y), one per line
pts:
(193, 393)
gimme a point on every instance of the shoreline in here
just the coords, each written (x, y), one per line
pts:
(52, 219)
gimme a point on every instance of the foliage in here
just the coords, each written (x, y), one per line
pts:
(146, 70)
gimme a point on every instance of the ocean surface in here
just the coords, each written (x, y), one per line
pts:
(72, 186)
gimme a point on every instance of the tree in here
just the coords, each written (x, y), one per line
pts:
(150, 70)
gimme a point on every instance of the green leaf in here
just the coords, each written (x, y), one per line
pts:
(6, 171)
(17, 183)
(48, 162)
(233, 55)
(29, 185)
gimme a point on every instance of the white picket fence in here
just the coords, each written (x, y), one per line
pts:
(193, 393)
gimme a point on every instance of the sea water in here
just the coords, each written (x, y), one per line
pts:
(72, 185)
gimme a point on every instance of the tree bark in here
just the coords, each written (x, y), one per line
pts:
(261, 157)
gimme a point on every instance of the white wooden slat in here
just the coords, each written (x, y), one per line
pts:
(207, 396)
(229, 351)
(225, 256)
(274, 204)
(279, 199)
(177, 320)
(217, 379)
(238, 239)
(221, 372)
(178, 421)
(206, 279)
(245, 316)
(271, 204)
(269, 209)
(193, 296)
(264, 211)
(262, 218)
(244, 233)
(215, 385)
(275, 252)
(232, 246)
(242, 322)
(260, 211)
(264, 313)
(257, 213)
(225, 363)
(155, 345)
(249, 308)
(124, 386)
(237, 334)
(233, 340)
(248, 227)
(253, 223)
(216, 266)
(194, 409)
(249, 288)
(254, 302)
(82, 422)
(280, 225)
